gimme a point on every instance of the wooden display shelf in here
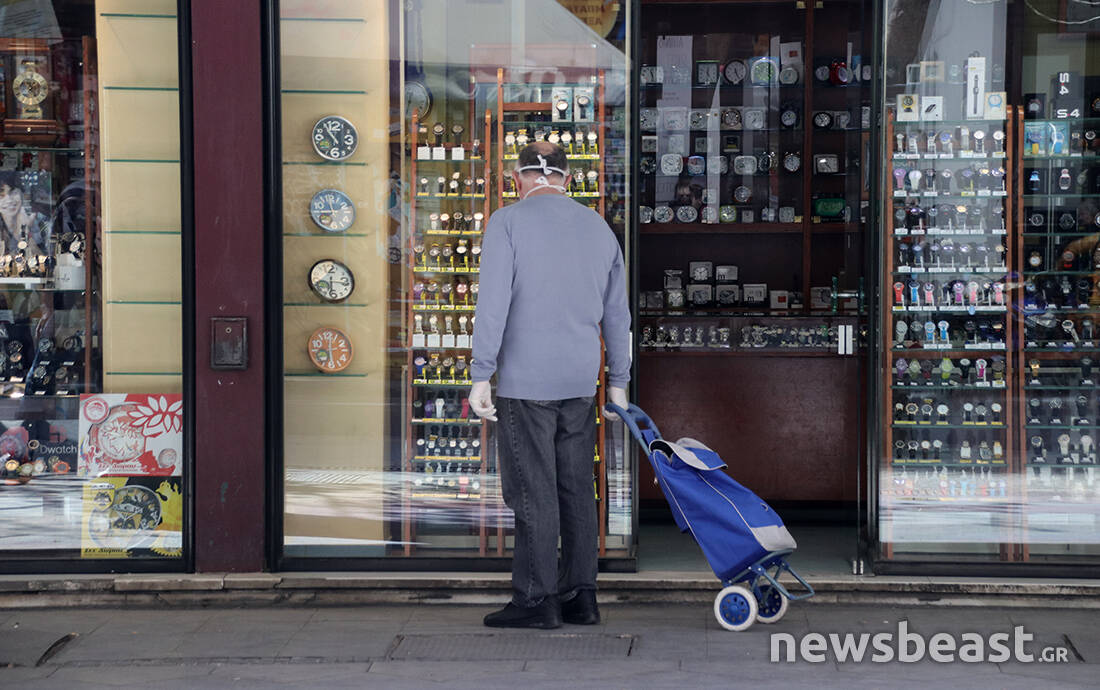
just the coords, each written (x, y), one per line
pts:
(719, 228)
(742, 352)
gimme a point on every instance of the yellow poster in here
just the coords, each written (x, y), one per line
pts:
(599, 15)
(132, 517)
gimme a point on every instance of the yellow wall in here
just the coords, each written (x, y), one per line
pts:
(335, 422)
(140, 221)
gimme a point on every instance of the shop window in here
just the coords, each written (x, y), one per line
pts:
(398, 135)
(90, 282)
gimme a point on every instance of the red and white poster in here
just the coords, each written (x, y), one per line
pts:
(139, 434)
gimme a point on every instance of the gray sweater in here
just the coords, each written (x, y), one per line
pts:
(551, 275)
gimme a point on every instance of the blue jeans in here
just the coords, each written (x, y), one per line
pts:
(546, 450)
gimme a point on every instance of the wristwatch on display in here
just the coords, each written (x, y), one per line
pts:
(792, 161)
(823, 119)
(788, 116)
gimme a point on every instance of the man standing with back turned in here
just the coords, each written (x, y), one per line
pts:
(551, 275)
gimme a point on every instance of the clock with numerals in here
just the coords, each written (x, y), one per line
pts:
(332, 210)
(331, 280)
(330, 349)
(335, 138)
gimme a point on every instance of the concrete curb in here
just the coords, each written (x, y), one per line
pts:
(346, 589)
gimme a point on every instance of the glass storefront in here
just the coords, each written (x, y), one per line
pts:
(91, 459)
(400, 125)
(988, 265)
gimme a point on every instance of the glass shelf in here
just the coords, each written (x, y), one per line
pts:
(324, 304)
(134, 15)
(323, 91)
(141, 88)
(338, 20)
(42, 149)
(932, 425)
(337, 163)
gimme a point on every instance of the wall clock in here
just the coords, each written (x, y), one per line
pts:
(334, 138)
(331, 280)
(332, 210)
(330, 349)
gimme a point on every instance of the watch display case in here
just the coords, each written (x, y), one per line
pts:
(90, 324)
(987, 300)
(753, 128)
(752, 143)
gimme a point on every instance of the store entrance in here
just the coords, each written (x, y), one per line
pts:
(751, 259)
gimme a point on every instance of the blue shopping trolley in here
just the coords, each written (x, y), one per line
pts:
(742, 538)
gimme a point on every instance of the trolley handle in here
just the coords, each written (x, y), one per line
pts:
(635, 419)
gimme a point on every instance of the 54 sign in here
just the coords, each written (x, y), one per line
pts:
(1067, 96)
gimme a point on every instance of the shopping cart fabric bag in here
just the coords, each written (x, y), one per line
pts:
(733, 526)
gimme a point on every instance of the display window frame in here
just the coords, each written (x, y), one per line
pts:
(276, 553)
(1012, 560)
(70, 561)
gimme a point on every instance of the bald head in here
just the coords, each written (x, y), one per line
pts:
(551, 153)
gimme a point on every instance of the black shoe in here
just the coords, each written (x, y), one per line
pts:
(581, 609)
(545, 616)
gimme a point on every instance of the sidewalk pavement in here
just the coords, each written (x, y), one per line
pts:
(444, 645)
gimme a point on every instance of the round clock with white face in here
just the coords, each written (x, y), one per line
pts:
(332, 210)
(734, 71)
(330, 349)
(334, 138)
(331, 280)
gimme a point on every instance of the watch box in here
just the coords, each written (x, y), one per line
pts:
(674, 279)
(727, 295)
(780, 299)
(820, 298)
(701, 271)
(725, 274)
(754, 293)
(700, 295)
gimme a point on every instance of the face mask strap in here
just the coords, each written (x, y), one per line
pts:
(541, 182)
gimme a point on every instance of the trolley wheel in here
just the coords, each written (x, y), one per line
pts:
(735, 608)
(771, 606)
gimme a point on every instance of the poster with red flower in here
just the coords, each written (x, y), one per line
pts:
(140, 434)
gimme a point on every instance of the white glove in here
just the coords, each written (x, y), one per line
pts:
(481, 401)
(616, 396)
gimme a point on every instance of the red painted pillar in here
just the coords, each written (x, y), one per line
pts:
(229, 262)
